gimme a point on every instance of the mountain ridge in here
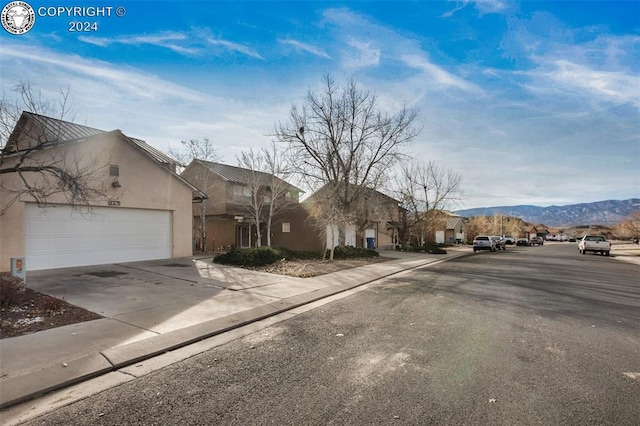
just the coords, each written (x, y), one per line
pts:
(607, 212)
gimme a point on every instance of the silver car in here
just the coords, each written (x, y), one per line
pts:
(483, 242)
(499, 242)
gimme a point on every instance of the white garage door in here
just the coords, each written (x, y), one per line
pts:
(59, 236)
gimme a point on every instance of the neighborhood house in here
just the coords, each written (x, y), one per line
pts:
(142, 208)
(228, 215)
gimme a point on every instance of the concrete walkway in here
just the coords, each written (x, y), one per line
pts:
(151, 308)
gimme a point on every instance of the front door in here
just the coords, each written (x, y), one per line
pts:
(243, 235)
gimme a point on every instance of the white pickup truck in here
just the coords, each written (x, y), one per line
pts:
(594, 244)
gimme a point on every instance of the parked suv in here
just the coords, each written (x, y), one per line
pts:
(483, 242)
(508, 239)
(499, 242)
(537, 241)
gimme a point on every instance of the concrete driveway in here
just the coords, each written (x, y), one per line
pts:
(163, 295)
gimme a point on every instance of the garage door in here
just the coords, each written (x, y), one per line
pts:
(59, 236)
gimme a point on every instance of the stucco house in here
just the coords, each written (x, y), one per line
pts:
(451, 228)
(227, 214)
(373, 224)
(142, 209)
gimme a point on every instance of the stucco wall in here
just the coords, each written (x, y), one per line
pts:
(144, 184)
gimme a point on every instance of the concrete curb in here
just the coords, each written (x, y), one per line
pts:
(54, 377)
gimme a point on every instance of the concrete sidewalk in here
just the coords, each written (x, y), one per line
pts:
(180, 306)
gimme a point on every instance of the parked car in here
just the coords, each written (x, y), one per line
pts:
(483, 242)
(508, 240)
(522, 242)
(536, 241)
(594, 244)
(499, 242)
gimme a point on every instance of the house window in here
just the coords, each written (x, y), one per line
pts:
(287, 195)
(114, 170)
(286, 227)
(241, 194)
(241, 191)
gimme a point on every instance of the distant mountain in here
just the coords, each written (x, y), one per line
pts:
(597, 213)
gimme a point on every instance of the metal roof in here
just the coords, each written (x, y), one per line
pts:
(155, 153)
(241, 175)
(53, 130)
(50, 130)
(454, 222)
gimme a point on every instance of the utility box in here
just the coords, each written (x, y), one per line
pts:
(18, 268)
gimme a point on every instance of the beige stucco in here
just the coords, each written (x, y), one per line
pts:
(145, 184)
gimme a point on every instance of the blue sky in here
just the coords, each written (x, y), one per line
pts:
(534, 102)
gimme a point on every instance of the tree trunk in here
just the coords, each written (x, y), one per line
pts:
(269, 231)
(203, 228)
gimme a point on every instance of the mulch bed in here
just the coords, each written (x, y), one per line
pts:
(24, 310)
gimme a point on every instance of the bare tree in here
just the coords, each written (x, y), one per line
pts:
(629, 227)
(37, 171)
(425, 190)
(254, 162)
(282, 198)
(205, 150)
(270, 193)
(340, 141)
(195, 149)
(478, 225)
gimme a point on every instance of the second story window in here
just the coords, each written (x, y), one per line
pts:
(114, 170)
(241, 193)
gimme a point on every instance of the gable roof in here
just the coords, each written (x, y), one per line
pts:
(241, 175)
(454, 222)
(366, 192)
(53, 131)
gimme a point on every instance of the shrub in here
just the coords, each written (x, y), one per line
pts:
(255, 256)
(11, 289)
(430, 248)
(261, 256)
(349, 252)
(298, 255)
(53, 304)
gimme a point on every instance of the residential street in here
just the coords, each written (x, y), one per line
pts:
(531, 335)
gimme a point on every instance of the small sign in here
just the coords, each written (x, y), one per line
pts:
(114, 203)
(18, 268)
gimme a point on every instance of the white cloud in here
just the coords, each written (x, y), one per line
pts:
(361, 56)
(137, 84)
(603, 86)
(483, 6)
(187, 44)
(167, 40)
(144, 106)
(235, 47)
(438, 75)
(304, 47)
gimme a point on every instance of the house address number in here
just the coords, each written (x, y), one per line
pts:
(114, 203)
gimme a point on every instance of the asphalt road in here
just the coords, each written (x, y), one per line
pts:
(533, 335)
